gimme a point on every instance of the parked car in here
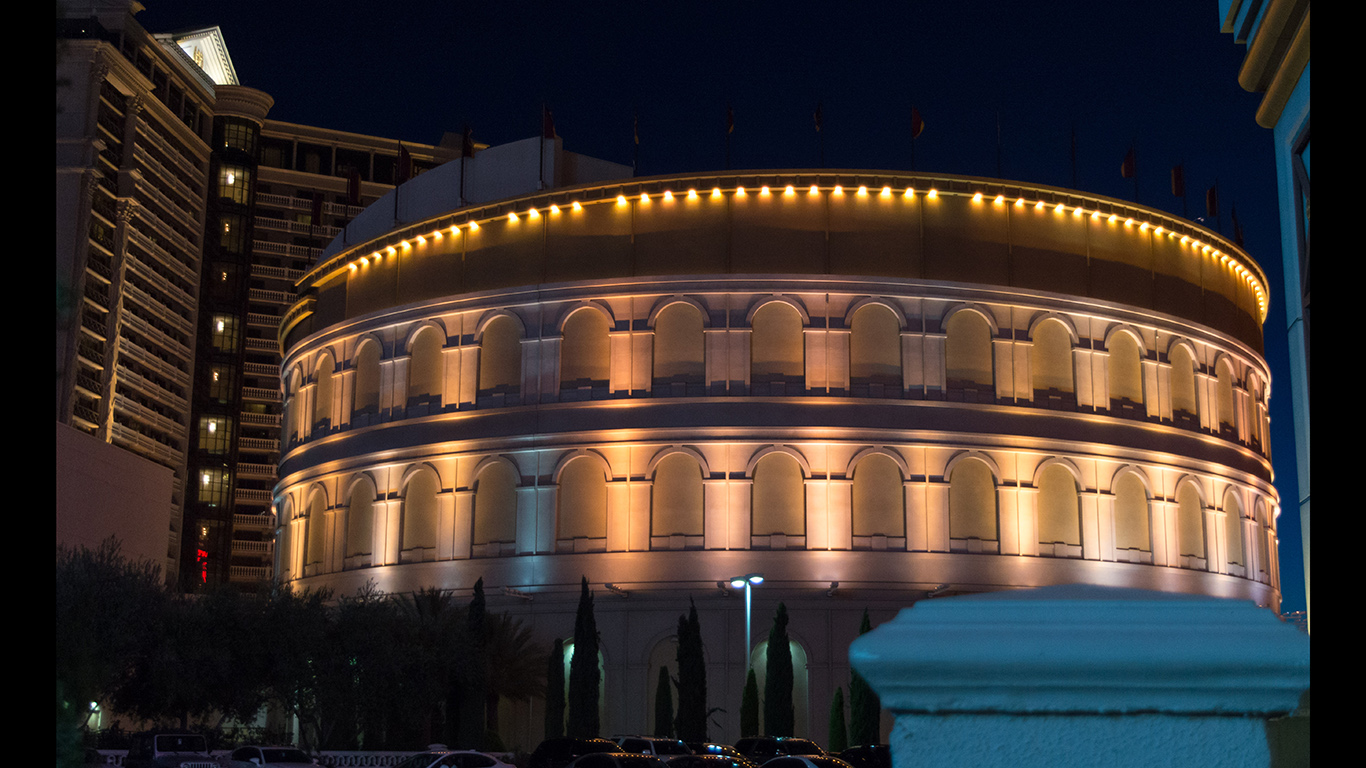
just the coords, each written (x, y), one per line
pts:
(762, 748)
(806, 761)
(617, 760)
(711, 761)
(557, 753)
(270, 757)
(169, 750)
(868, 756)
(652, 745)
(452, 758)
(708, 748)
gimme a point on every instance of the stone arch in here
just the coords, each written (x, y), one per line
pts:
(875, 344)
(777, 349)
(1050, 357)
(365, 397)
(323, 374)
(494, 517)
(974, 509)
(284, 545)
(1132, 509)
(420, 517)
(360, 516)
(1181, 359)
(801, 684)
(315, 527)
(1233, 526)
(778, 494)
(1190, 516)
(679, 345)
(879, 498)
(426, 367)
(969, 362)
(292, 421)
(1124, 368)
(585, 347)
(499, 335)
(1058, 510)
(1226, 379)
(676, 495)
(581, 496)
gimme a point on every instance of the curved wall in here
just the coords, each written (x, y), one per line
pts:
(872, 436)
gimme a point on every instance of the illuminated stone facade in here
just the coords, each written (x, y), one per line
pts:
(869, 387)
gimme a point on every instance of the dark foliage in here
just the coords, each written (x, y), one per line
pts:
(585, 682)
(692, 679)
(779, 714)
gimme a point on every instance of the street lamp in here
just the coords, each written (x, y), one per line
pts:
(747, 583)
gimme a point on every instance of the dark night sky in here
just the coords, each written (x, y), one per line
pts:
(1158, 75)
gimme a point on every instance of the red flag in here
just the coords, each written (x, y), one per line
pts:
(547, 123)
(917, 125)
(1178, 181)
(1127, 168)
(730, 119)
(1237, 227)
(635, 128)
(353, 188)
(818, 118)
(1212, 201)
(467, 143)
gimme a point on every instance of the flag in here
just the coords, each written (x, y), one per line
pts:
(635, 128)
(405, 164)
(317, 210)
(1128, 167)
(1178, 181)
(1237, 226)
(467, 143)
(1212, 201)
(547, 123)
(353, 188)
(730, 119)
(818, 117)
(917, 125)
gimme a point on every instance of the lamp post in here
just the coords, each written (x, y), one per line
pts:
(747, 583)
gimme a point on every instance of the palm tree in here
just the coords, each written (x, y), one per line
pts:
(516, 664)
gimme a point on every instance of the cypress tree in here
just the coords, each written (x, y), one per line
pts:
(749, 706)
(839, 735)
(554, 692)
(865, 710)
(664, 706)
(471, 722)
(692, 679)
(778, 712)
(584, 680)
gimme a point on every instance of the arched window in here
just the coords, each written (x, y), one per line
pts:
(968, 359)
(360, 519)
(367, 380)
(1132, 519)
(500, 357)
(1263, 532)
(316, 535)
(879, 502)
(1050, 362)
(777, 353)
(875, 348)
(1233, 527)
(1126, 376)
(1184, 401)
(585, 351)
(495, 505)
(582, 500)
(424, 368)
(1059, 509)
(678, 346)
(1227, 418)
(292, 406)
(322, 395)
(972, 502)
(1190, 516)
(420, 513)
(779, 497)
(801, 684)
(284, 547)
(676, 498)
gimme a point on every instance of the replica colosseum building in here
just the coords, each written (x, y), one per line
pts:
(869, 387)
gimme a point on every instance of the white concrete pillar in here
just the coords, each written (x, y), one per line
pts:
(1081, 675)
